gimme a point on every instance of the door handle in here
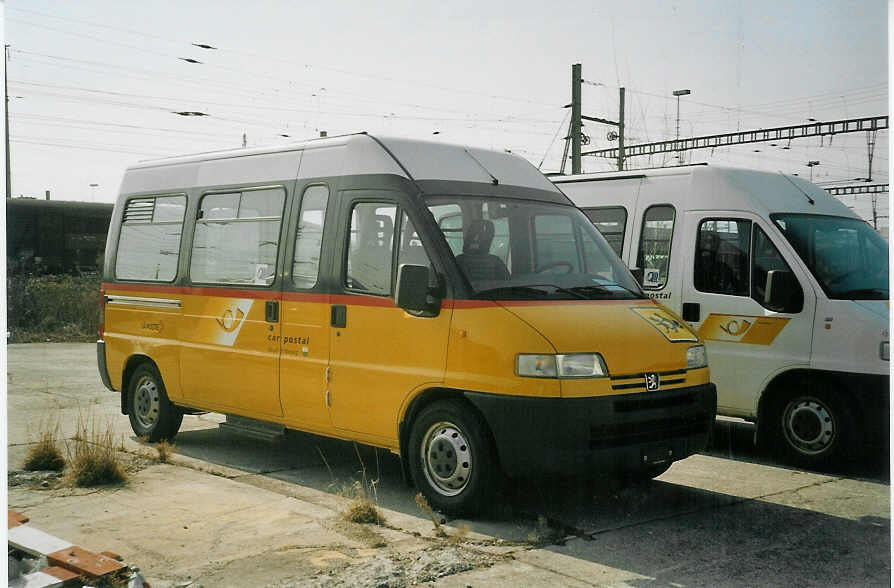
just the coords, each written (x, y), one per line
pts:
(339, 316)
(691, 312)
(271, 311)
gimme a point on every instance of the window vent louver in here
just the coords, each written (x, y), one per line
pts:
(139, 210)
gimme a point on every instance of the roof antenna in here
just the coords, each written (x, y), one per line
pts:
(806, 195)
(496, 182)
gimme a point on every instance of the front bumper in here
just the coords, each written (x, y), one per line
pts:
(581, 436)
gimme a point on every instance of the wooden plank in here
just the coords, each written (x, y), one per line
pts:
(83, 562)
(15, 519)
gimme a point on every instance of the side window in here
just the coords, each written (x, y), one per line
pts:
(655, 245)
(370, 243)
(765, 257)
(721, 256)
(149, 243)
(554, 244)
(237, 237)
(309, 236)
(450, 220)
(411, 250)
(611, 222)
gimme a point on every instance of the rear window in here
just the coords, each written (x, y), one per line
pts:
(149, 242)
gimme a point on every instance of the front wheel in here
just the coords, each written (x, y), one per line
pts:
(814, 427)
(152, 415)
(451, 458)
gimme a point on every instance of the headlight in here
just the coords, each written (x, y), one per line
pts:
(572, 365)
(696, 357)
(884, 351)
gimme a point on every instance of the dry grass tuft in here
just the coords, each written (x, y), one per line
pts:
(425, 507)
(93, 457)
(45, 454)
(164, 449)
(362, 510)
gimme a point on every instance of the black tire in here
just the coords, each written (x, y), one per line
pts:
(813, 427)
(646, 473)
(152, 416)
(451, 458)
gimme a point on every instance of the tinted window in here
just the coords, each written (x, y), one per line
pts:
(766, 258)
(611, 223)
(721, 256)
(655, 245)
(309, 236)
(149, 243)
(370, 243)
(237, 237)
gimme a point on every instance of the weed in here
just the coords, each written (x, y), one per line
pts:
(425, 507)
(53, 308)
(461, 533)
(45, 454)
(164, 449)
(543, 533)
(93, 457)
(361, 510)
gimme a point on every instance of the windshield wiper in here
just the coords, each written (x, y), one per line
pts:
(529, 289)
(603, 288)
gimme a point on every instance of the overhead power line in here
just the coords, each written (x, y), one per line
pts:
(818, 129)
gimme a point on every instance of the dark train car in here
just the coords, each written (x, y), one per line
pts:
(54, 236)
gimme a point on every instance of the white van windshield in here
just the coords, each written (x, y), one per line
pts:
(846, 256)
(525, 250)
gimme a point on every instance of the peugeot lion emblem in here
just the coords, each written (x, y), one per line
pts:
(651, 382)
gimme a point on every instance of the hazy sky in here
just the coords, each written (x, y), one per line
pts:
(93, 84)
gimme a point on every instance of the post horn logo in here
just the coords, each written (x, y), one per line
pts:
(735, 327)
(230, 319)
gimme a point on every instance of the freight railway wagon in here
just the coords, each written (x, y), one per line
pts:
(446, 303)
(788, 287)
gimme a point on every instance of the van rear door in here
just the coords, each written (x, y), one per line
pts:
(748, 338)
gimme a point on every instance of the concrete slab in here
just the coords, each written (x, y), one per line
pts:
(34, 541)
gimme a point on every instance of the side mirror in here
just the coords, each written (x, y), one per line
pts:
(637, 274)
(782, 292)
(413, 291)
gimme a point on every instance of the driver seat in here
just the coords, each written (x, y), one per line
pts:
(476, 260)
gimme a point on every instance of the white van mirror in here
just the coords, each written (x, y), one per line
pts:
(782, 292)
(413, 291)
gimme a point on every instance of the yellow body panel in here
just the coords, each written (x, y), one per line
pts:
(218, 353)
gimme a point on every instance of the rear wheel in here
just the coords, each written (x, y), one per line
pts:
(152, 415)
(814, 426)
(451, 458)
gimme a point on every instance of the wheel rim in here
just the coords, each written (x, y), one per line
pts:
(809, 425)
(446, 458)
(146, 402)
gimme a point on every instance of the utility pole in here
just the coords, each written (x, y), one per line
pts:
(576, 125)
(621, 131)
(870, 147)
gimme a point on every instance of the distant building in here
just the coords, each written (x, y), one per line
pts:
(54, 236)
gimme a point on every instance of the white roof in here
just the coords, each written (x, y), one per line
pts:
(727, 188)
(334, 156)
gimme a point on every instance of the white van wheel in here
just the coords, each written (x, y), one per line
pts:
(815, 427)
(152, 415)
(450, 457)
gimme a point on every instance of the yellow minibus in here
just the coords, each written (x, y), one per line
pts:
(446, 303)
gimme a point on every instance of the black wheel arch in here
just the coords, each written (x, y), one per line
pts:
(781, 385)
(418, 403)
(130, 366)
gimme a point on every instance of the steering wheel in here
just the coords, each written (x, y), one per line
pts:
(568, 267)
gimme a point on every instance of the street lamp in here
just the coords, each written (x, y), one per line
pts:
(811, 164)
(678, 93)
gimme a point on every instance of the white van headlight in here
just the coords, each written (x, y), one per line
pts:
(571, 365)
(884, 350)
(696, 357)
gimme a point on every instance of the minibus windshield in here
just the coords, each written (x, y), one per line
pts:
(846, 256)
(529, 250)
